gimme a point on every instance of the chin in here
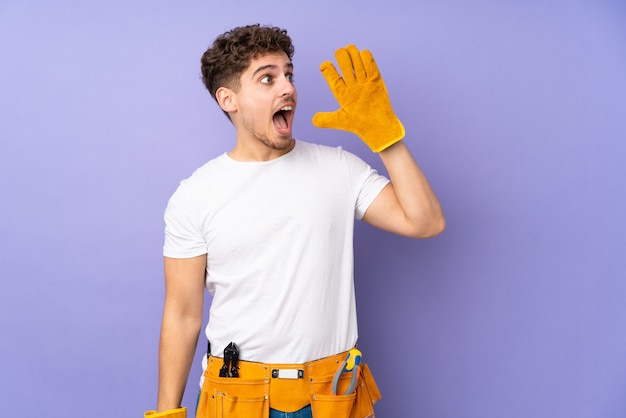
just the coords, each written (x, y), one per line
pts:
(283, 141)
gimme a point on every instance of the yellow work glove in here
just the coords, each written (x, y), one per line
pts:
(172, 413)
(364, 106)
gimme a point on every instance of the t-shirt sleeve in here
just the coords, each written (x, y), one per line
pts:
(369, 182)
(183, 235)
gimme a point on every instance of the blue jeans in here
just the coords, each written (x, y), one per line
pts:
(303, 413)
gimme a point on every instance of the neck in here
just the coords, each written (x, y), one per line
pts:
(260, 151)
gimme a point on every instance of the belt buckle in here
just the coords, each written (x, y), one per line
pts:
(287, 374)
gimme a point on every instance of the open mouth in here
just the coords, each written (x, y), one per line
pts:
(282, 120)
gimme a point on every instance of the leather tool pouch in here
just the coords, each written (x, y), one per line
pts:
(359, 404)
(224, 397)
(247, 396)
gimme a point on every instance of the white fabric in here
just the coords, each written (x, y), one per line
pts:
(278, 238)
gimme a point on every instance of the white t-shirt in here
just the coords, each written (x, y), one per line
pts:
(279, 242)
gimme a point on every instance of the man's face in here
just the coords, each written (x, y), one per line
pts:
(266, 102)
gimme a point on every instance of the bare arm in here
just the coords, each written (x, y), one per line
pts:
(182, 319)
(408, 206)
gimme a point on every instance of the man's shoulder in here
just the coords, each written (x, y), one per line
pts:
(201, 178)
(310, 148)
(206, 170)
(328, 153)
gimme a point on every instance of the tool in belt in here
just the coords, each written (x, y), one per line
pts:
(350, 364)
(231, 358)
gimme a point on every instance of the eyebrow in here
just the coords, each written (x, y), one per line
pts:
(269, 67)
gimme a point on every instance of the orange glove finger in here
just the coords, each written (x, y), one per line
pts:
(346, 66)
(360, 72)
(333, 79)
(370, 65)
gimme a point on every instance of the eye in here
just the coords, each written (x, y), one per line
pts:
(289, 77)
(266, 79)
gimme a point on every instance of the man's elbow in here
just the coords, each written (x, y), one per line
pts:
(433, 227)
(438, 226)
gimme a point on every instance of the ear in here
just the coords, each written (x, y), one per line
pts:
(227, 99)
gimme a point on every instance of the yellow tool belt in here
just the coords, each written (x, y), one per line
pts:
(288, 388)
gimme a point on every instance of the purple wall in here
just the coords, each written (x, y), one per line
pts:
(515, 110)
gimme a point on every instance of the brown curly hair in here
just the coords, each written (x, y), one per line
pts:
(231, 53)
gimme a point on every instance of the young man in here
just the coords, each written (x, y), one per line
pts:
(267, 229)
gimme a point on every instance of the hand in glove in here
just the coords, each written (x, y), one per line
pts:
(172, 413)
(364, 106)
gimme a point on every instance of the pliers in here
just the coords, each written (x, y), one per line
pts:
(351, 363)
(231, 357)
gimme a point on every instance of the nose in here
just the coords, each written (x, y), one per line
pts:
(286, 87)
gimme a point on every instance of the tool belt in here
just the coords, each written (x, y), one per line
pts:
(288, 388)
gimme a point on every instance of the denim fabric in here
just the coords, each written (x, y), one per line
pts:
(303, 413)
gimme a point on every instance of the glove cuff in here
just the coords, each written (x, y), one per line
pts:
(171, 413)
(378, 145)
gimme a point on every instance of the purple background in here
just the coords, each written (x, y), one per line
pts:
(515, 110)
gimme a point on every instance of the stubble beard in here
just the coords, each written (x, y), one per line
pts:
(281, 144)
